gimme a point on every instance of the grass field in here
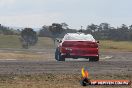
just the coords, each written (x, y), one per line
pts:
(9, 41)
(26, 56)
(115, 45)
(12, 41)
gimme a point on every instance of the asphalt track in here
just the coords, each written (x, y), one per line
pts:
(110, 63)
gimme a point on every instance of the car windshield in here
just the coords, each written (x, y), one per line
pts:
(79, 37)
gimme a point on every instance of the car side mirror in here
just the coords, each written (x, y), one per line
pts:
(59, 41)
(97, 41)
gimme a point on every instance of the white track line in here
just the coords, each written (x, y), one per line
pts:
(7, 59)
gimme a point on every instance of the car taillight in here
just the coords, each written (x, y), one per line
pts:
(62, 49)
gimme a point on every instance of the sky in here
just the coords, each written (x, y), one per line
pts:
(76, 13)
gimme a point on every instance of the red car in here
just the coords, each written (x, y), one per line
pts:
(77, 45)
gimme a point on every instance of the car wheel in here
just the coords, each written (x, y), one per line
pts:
(93, 59)
(58, 56)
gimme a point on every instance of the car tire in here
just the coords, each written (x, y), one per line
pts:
(58, 56)
(94, 59)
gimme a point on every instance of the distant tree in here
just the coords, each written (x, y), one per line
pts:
(130, 35)
(6, 30)
(44, 32)
(92, 28)
(130, 27)
(123, 32)
(18, 31)
(112, 34)
(28, 37)
(104, 26)
(64, 25)
(124, 27)
(55, 29)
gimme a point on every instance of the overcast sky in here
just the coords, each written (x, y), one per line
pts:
(36, 13)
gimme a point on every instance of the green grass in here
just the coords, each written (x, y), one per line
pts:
(12, 41)
(9, 41)
(44, 42)
(115, 45)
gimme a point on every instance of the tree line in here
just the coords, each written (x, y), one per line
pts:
(105, 31)
(102, 31)
(29, 36)
(7, 31)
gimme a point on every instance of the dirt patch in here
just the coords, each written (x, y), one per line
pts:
(54, 80)
(26, 56)
(38, 69)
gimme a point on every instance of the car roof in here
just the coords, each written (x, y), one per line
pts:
(79, 35)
